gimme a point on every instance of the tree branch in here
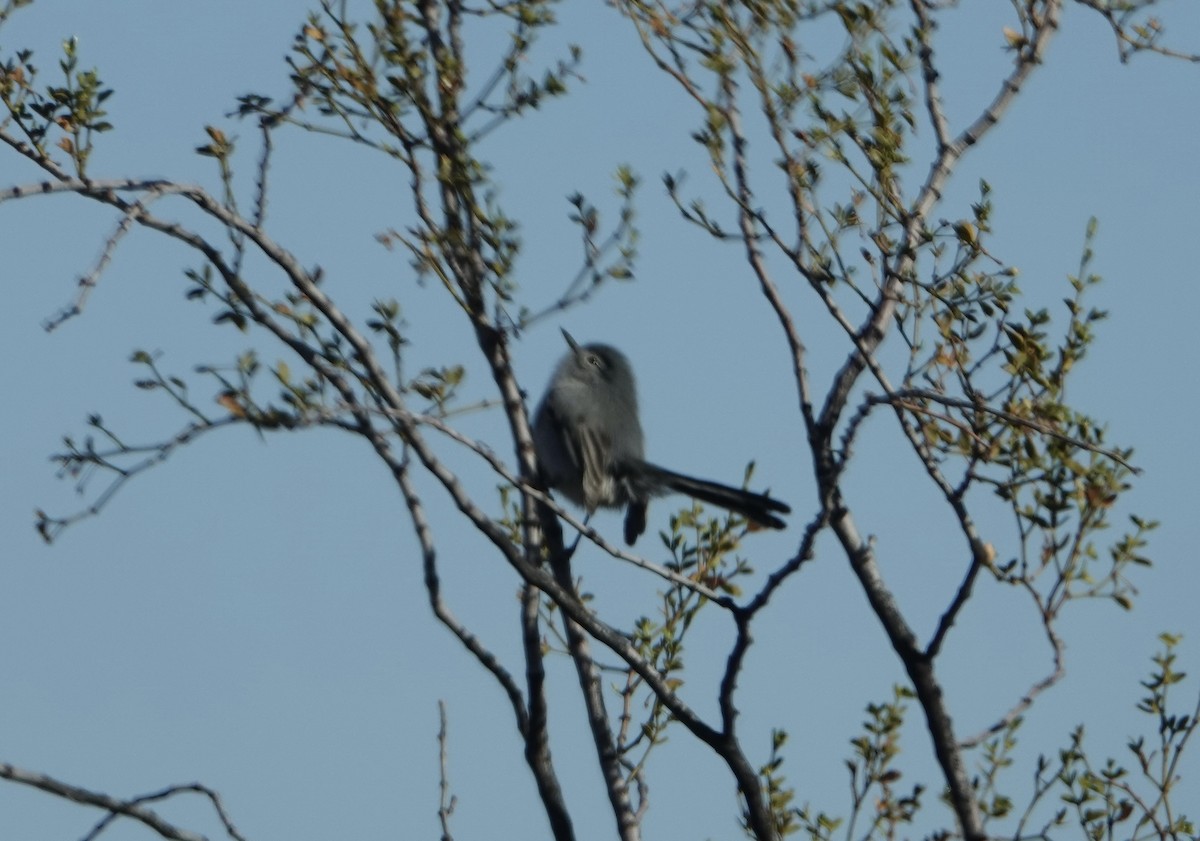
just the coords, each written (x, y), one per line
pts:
(131, 808)
(920, 671)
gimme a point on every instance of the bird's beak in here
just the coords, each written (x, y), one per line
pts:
(574, 345)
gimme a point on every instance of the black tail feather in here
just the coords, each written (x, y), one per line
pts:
(755, 507)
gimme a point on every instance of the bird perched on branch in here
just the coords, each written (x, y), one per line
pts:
(590, 446)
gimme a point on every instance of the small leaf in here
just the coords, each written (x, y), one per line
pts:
(967, 234)
(229, 400)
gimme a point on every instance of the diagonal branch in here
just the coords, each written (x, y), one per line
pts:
(132, 808)
(1029, 56)
(433, 585)
(920, 671)
(903, 397)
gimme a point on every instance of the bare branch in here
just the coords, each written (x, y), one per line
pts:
(920, 671)
(1057, 673)
(446, 800)
(416, 510)
(132, 808)
(608, 756)
(754, 256)
(1028, 57)
(925, 28)
(1133, 37)
(80, 462)
(88, 282)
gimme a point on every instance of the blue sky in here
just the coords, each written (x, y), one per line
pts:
(252, 616)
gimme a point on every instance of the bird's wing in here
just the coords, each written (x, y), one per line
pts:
(593, 454)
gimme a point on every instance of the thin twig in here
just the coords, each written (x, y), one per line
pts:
(88, 282)
(1057, 673)
(902, 398)
(446, 800)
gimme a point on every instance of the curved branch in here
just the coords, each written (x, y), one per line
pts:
(433, 586)
(132, 808)
(531, 719)
(1128, 45)
(1058, 672)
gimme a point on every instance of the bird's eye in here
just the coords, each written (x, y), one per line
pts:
(593, 359)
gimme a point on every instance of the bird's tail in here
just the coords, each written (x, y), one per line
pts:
(756, 507)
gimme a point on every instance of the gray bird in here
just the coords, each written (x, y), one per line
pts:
(590, 446)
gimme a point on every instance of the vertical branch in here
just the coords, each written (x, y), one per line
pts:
(446, 800)
(536, 734)
(592, 687)
(924, 30)
(747, 221)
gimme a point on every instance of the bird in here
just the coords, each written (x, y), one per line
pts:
(590, 447)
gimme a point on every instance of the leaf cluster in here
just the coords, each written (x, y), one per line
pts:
(71, 111)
